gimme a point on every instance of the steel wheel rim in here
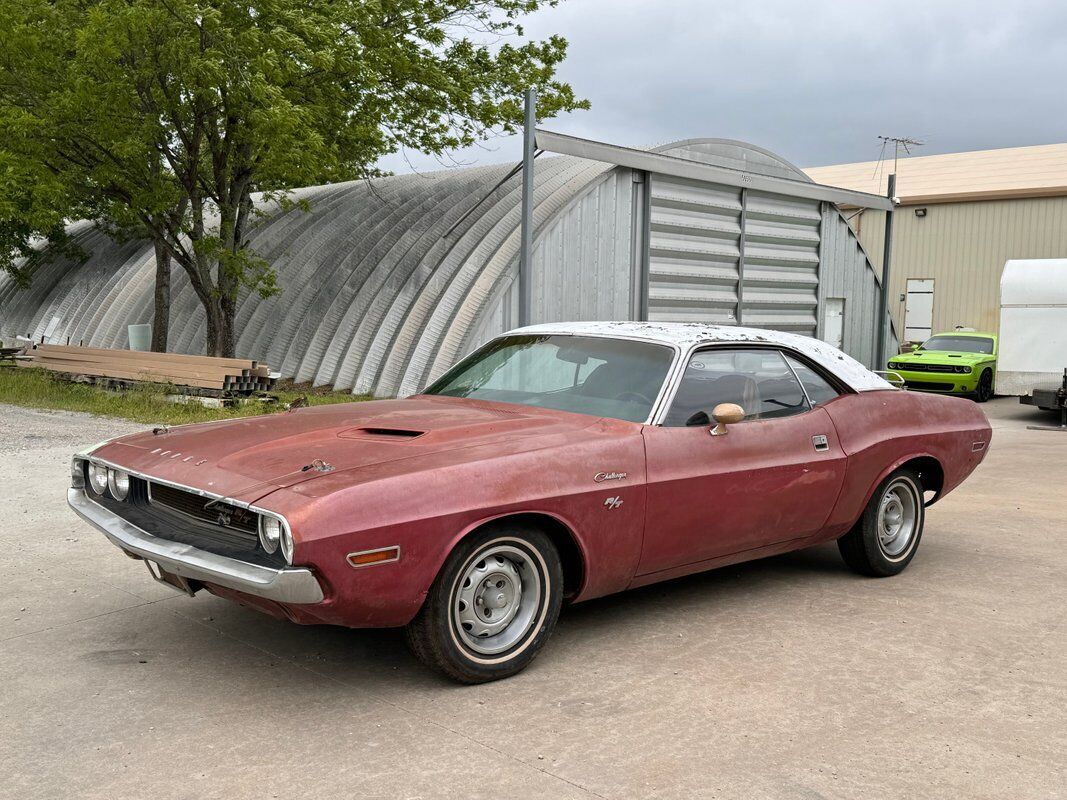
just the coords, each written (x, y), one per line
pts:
(496, 598)
(898, 518)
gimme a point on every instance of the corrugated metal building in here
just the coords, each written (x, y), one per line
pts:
(386, 284)
(962, 216)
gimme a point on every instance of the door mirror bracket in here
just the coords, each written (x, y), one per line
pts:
(726, 414)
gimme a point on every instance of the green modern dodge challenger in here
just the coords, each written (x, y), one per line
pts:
(951, 363)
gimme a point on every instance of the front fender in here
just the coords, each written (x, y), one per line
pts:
(568, 526)
(427, 511)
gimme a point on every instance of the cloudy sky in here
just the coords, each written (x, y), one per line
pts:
(815, 81)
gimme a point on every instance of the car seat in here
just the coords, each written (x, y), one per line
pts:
(698, 393)
(608, 381)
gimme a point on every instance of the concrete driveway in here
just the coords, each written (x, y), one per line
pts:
(785, 678)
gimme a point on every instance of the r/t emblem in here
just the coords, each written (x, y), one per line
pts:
(612, 503)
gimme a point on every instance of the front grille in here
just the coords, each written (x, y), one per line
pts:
(204, 509)
(927, 368)
(182, 528)
(178, 526)
(930, 386)
(183, 519)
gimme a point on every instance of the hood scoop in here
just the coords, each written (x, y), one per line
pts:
(381, 434)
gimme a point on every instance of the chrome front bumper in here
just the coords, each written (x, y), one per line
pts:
(289, 585)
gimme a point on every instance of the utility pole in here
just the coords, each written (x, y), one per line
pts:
(526, 225)
(883, 325)
(882, 322)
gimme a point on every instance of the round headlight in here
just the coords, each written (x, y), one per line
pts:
(119, 483)
(270, 532)
(893, 365)
(98, 478)
(287, 544)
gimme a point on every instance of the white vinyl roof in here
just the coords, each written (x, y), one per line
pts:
(685, 335)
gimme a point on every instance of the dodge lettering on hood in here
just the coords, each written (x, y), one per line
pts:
(557, 463)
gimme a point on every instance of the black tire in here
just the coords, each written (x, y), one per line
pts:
(985, 387)
(865, 548)
(522, 556)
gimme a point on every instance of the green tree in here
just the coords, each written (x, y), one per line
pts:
(54, 159)
(182, 119)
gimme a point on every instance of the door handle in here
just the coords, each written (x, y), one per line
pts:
(820, 442)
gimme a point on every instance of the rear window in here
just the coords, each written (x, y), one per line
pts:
(818, 389)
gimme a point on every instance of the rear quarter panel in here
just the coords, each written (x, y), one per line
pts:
(881, 430)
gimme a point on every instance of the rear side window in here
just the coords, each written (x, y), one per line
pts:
(759, 381)
(819, 391)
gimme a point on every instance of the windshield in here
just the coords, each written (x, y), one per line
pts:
(584, 374)
(960, 344)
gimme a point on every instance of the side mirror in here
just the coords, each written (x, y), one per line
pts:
(726, 414)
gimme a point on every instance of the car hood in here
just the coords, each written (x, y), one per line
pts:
(940, 357)
(247, 458)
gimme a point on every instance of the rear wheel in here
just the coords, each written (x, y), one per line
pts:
(886, 537)
(984, 391)
(492, 607)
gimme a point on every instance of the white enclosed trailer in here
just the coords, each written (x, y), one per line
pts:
(1033, 330)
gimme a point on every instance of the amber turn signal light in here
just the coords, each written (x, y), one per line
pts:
(367, 558)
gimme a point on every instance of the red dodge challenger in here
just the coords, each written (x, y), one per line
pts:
(557, 462)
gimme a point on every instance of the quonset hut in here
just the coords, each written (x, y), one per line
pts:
(385, 284)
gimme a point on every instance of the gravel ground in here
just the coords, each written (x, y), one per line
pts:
(784, 678)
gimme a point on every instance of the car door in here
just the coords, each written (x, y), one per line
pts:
(771, 478)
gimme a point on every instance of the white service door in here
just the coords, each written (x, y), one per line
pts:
(834, 321)
(919, 310)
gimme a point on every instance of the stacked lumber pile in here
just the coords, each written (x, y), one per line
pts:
(206, 374)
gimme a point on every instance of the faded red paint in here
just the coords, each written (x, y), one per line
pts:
(689, 501)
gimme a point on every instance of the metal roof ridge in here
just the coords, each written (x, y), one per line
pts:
(699, 170)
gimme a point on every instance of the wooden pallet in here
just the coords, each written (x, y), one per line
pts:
(223, 375)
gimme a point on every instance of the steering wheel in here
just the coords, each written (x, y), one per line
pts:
(624, 396)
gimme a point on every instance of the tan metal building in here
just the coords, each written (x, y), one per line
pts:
(961, 217)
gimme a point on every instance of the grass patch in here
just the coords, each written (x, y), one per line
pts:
(39, 388)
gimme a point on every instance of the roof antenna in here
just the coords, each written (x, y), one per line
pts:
(898, 142)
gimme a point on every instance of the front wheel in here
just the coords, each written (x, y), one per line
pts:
(984, 391)
(886, 537)
(492, 607)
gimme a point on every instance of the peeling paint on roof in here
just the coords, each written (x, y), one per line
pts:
(689, 334)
